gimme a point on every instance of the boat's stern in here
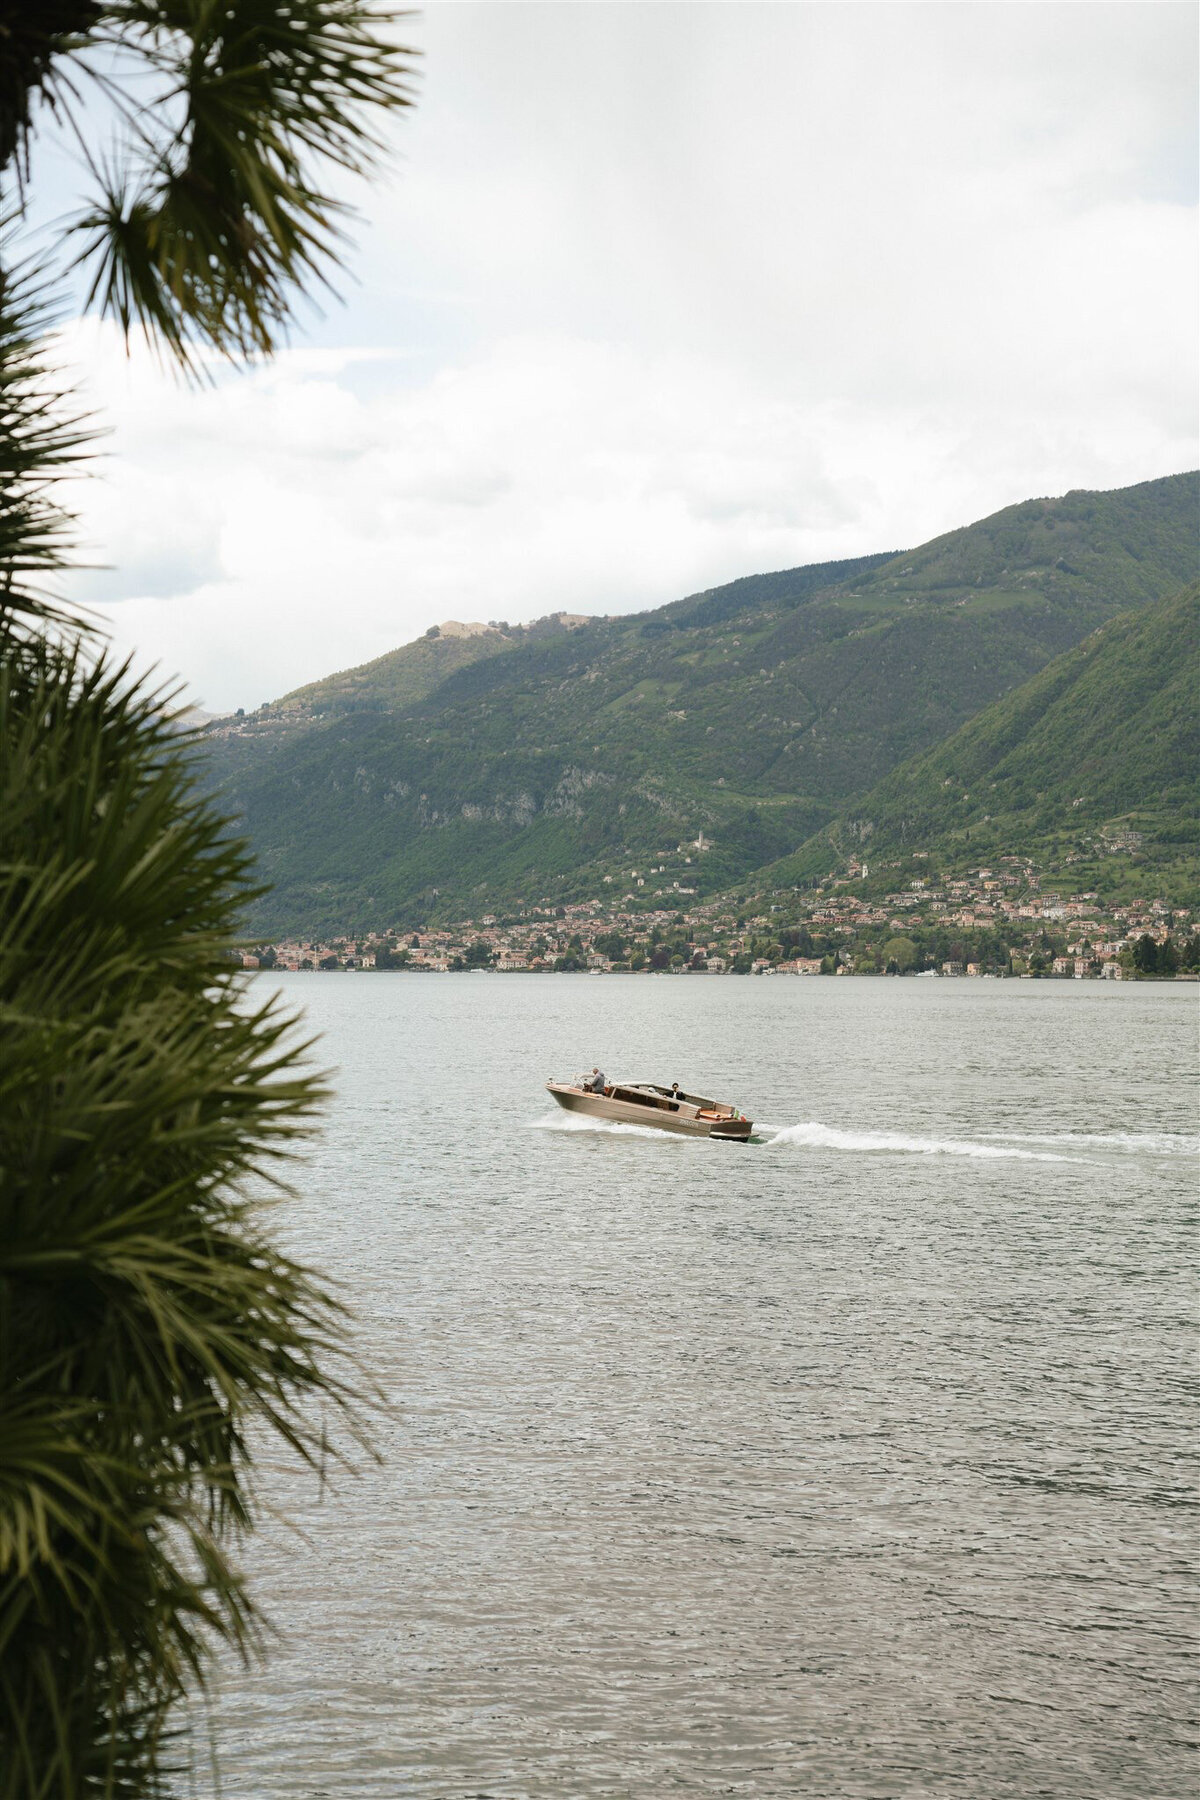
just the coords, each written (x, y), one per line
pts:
(737, 1130)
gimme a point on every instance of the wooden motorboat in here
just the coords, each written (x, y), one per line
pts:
(645, 1103)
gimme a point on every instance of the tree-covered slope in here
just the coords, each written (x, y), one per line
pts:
(1129, 545)
(752, 713)
(405, 676)
(1100, 748)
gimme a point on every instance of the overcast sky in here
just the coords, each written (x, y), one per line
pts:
(654, 296)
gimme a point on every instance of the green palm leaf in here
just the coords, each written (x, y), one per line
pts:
(149, 1329)
(42, 439)
(216, 210)
(151, 1333)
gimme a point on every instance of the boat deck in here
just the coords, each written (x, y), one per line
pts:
(661, 1108)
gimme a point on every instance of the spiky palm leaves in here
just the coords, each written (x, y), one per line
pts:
(150, 1331)
(213, 208)
(147, 1324)
(41, 439)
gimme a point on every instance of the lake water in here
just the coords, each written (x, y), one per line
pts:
(855, 1461)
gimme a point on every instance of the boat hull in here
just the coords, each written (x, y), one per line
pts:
(659, 1116)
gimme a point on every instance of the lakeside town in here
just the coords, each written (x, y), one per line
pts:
(994, 921)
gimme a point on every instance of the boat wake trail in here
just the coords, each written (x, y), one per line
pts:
(566, 1121)
(814, 1136)
(1083, 1148)
(1123, 1143)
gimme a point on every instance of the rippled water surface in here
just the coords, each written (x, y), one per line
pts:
(854, 1461)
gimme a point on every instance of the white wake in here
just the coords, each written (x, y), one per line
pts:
(989, 1146)
(814, 1136)
(1125, 1143)
(570, 1121)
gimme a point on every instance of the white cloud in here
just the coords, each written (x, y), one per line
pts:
(664, 295)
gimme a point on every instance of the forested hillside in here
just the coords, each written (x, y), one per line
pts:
(405, 676)
(754, 714)
(1100, 751)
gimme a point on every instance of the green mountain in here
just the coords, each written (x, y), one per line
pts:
(405, 676)
(1098, 752)
(750, 716)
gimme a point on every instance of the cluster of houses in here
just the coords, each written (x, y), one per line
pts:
(840, 927)
(1009, 901)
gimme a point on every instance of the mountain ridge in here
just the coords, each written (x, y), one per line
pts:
(755, 713)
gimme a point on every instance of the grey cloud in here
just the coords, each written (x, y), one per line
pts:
(734, 287)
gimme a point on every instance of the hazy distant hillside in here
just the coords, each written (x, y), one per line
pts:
(753, 713)
(404, 676)
(1100, 748)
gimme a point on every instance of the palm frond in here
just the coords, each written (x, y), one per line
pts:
(150, 1330)
(34, 39)
(43, 440)
(217, 214)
